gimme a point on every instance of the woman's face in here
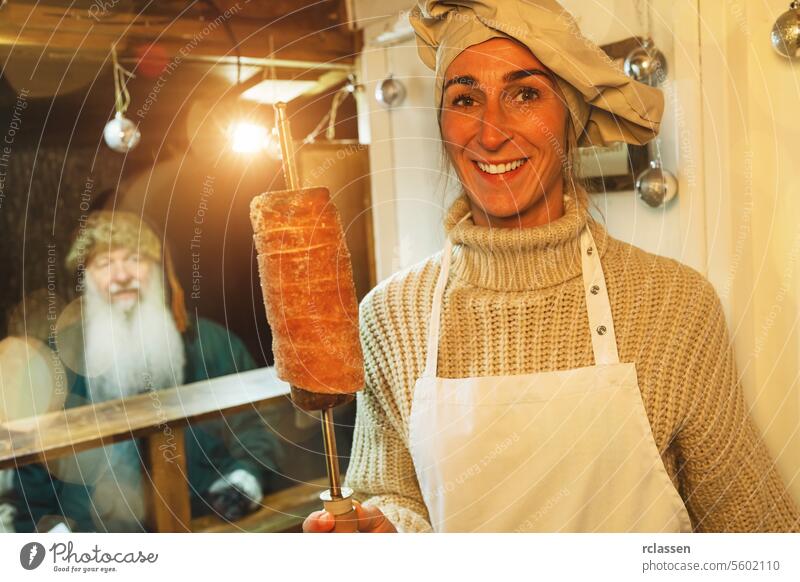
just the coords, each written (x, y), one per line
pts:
(503, 122)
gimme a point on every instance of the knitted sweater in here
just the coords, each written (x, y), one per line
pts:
(514, 304)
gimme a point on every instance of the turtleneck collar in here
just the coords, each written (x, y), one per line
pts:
(520, 259)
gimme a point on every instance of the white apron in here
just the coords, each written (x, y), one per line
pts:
(568, 451)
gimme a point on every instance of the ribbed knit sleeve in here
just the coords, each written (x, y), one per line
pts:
(381, 471)
(729, 481)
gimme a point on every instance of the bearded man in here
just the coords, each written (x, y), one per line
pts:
(133, 338)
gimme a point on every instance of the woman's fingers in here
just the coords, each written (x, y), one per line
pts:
(372, 520)
(319, 522)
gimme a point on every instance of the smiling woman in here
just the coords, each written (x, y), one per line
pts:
(538, 374)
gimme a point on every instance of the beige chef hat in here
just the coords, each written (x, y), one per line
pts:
(605, 105)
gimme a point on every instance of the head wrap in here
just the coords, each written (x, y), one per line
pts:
(605, 105)
(106, 230)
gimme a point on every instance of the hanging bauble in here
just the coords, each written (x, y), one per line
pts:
(646, 64)
(390, 92)
(121, 134)
(656, 186)
(786, 32)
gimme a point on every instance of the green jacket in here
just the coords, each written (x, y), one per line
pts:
(213, 447)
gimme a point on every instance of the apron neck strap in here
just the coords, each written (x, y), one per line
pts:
(598, 307)
(436, 310)
(601, 324)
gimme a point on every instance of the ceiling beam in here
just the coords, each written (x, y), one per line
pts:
(65, 32)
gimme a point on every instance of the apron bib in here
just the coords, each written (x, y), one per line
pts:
(564, 451)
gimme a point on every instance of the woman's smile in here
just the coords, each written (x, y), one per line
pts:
(502, 170)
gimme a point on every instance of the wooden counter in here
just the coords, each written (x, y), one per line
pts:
(154, 416)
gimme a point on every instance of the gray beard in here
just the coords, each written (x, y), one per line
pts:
(131, 351)
(127, 352)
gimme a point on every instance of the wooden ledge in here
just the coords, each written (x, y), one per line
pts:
(66, 432)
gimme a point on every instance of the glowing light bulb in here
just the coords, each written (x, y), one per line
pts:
(247, 137)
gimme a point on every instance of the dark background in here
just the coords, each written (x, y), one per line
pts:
(58, 155)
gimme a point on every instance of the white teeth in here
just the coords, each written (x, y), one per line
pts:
(501, 168)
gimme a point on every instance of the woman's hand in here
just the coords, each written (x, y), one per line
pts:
(370, 520)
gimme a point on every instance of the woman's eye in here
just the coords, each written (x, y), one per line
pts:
(526, 94)
(463, 101)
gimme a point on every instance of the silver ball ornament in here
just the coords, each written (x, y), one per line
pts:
(785, 34)
(390, 92)
(646, 64)
(121, 134)
(656, 186)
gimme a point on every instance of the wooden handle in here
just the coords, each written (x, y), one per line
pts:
(346, 522)
(342, 510)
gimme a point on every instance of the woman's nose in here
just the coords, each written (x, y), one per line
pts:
(493, 131)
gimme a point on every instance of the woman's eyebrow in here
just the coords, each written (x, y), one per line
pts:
(522, 73)
(461, 80)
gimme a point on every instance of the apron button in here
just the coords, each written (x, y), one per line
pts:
(589, 251)
(601, 330)
(595, 289)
